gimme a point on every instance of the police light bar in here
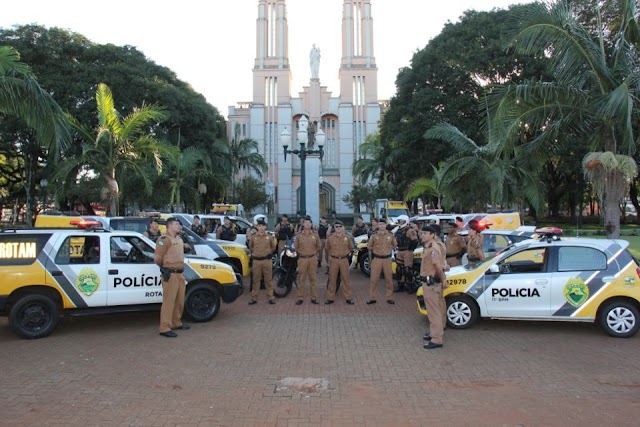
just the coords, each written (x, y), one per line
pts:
(484, 225)
(549, 233)
(85, 224)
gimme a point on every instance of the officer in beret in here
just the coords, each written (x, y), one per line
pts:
(307, 245)
(456, 246)
(262, 245)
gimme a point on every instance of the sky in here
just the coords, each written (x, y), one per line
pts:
(210, 44)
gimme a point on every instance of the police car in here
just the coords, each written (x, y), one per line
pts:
(48, 272)
(582, 280)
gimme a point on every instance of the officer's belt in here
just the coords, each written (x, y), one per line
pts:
(380, 256)
(174, 270)
(454, 255)
(403, 249)
(306, 256)
(340, 257)
(474, 259)
(260, 258)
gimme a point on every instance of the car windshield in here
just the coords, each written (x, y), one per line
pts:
(397, 212)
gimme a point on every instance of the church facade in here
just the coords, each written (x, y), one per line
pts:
(345, 120)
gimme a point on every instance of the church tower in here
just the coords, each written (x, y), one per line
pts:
(345, 120)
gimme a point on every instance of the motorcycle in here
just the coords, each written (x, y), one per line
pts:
(286, 273)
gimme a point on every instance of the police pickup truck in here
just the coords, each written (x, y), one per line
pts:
(49, 272)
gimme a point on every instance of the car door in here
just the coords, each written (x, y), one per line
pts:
(492, 243)
(578, 270)
(79, 267)
(522, 288)
(134, 278)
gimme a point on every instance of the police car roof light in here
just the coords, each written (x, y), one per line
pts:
(549, 233)
(86, 224)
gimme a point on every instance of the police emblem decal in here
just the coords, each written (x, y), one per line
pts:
(576, 292)
(88, 281)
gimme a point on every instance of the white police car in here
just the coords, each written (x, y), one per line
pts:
(582, 280)
(47, 272)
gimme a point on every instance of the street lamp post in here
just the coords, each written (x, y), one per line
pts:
(304, 132)
(43, 186)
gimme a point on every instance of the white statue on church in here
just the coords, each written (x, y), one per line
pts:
(314, 60)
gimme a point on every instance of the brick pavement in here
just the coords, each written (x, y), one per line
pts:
(116, 370)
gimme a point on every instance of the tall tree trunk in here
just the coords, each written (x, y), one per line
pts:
(113, 193)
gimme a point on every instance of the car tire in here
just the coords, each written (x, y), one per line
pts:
(202, 302)
(34, 316)
(620, 319)
(365, 264)
(462, 312)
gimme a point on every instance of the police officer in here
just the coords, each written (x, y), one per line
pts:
(323, 228)
(474, 243)
(407, 241)
(198, 228)
(226, 231)
(434, 280)
(445, 267)
(374, 227)
(262, 245)
(284, 232)
(359, 228)
(307, 245)
(339, 247)
(153, 233)
(169, 256)
(456, 246)
(380, 246)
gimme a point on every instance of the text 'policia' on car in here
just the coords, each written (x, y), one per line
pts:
(47, 272)
(572, 279)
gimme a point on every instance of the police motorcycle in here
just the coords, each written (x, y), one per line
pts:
(411, 275)
(285, 273)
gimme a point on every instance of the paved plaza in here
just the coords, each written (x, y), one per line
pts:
(306, 365)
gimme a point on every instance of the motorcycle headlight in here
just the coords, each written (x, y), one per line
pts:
(290, 253)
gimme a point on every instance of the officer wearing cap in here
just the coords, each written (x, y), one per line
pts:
(307, 245)
(456, 246)
(262, 245)
(169, 256)
(434, 279)
(153, 233)
(198, 228)
(339, 247)
(380, 246)
(474, 244)
(284, 232)
(445, 267)
(359, 228)
(226, 231)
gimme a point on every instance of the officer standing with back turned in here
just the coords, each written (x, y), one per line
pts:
(169, 256)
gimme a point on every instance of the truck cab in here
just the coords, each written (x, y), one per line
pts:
(390, 209)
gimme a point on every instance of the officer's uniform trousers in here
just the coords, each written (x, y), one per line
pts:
(261, 269)
(172, 302)
(432, 299)
(380, 265)
(307, 267)
(341, 265)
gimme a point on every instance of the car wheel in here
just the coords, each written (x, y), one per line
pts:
(462, 312)
(365, 264)
(34, 316)
(620, 319)
(202, 302)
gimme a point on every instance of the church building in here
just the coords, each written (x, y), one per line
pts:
(345, 120)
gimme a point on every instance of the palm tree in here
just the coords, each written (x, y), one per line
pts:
(483, 169)
(372, 161)
(244, 156)
(593, 99)
(22, 96)
(118, 146)
(186, 170)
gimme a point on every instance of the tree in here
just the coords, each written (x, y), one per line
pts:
(245, 157)
(70, 66)
(117, 147)
(446, 82)
(486, 170)
(252, 193)
(593, 97)
(185, 170)
(22, 96)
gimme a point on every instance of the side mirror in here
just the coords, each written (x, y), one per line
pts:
(493, 269)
